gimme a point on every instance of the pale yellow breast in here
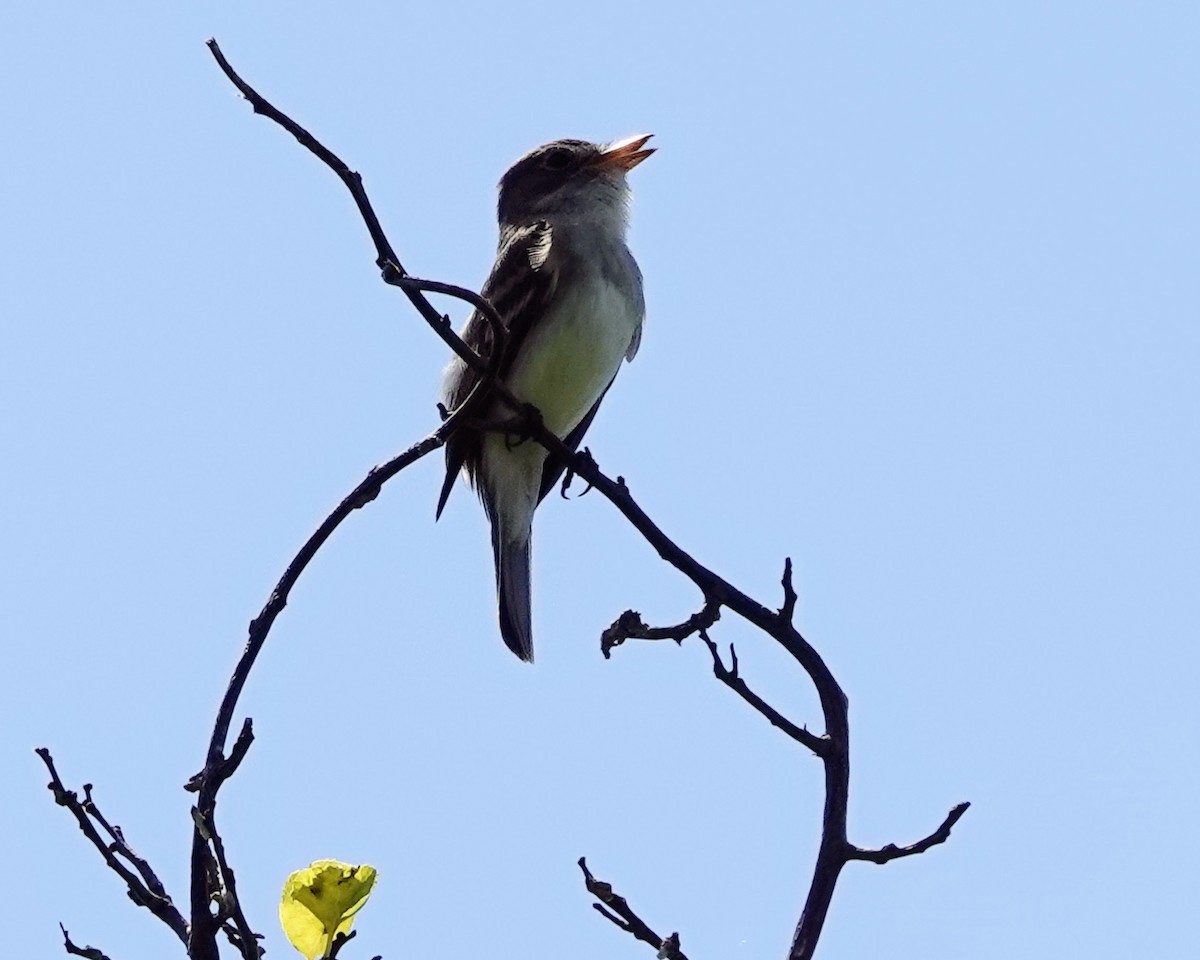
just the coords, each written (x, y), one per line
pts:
(573, 353)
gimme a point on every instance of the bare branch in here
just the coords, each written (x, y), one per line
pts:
(631, 626)
(120, 847)
(202, 944)
(892, 852)
(385, 256)
(238, 753)
(366, 491)
(789, 593)
(91, 953)
(339, 941)
(480, 303)
(231, 906)
(835, 850)
(731, 678)
(670, 949)
(616, 909)
(139, 889)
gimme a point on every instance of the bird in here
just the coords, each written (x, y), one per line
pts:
(569, 294)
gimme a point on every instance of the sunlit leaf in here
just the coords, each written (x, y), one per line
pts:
(320, 902)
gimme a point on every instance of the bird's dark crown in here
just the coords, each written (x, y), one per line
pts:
(543, 173)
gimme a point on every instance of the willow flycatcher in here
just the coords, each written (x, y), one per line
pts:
(570, 295)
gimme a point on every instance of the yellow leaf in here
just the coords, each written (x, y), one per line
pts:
(320, 902)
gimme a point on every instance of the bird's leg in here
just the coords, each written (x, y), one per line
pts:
(569, 473)
(518, 429)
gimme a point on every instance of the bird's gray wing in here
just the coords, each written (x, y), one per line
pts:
(520, 285)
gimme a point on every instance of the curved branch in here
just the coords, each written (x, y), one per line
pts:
(733, 680)
(385, 257)
(834, 748)
(366, 491)
(142, 886)
(480, 303)
(892, 852)
(615, 908)
(383, 249)
(631, 626)
(789, 592)
(217, 767)
(90, 953)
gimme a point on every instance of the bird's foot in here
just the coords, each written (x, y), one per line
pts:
(521, 427)
(569, 474)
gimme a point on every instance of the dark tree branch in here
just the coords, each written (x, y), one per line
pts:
(91, 953)
(366, 491)
(352, 180)
(394, 273)
(141, 891)
(892, 852)
(730, 677)
(339, 941)
(631, 626)
(399, 279)
(217, 767)
(835, 850)
(120, 847)
(385, 256)
(789, 593)
(836, 754)
(832, 854)
(240, 746)
(222, 884)
(238, 941)
(203, 942)
(616, 909)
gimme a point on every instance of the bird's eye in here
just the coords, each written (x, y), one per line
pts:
(557, 159)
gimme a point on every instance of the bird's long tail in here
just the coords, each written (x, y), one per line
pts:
(512, 553)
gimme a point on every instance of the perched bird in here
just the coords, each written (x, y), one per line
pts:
(570, 295)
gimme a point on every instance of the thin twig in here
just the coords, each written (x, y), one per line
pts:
(732, 679)
(631, 626)
(789, 592)
(616, 909)
(121, 847)
(231, 906)
(202, 944)
(834, 850)
(218, 768)
(154, 900)
(892, 852)
(91, 953)
(339, 941)
(385, 256)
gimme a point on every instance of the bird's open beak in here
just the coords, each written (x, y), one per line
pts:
(628, 153)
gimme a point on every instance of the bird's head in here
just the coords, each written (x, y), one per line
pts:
(570, 179)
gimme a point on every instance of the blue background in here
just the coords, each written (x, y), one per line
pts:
(922, 314)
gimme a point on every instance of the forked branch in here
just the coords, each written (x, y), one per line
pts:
(213, 879)
(833, 748)
(142, 883)
(615, 908)
(91, 953)
(892, 852)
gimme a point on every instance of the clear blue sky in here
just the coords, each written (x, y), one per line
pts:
(923, 315)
